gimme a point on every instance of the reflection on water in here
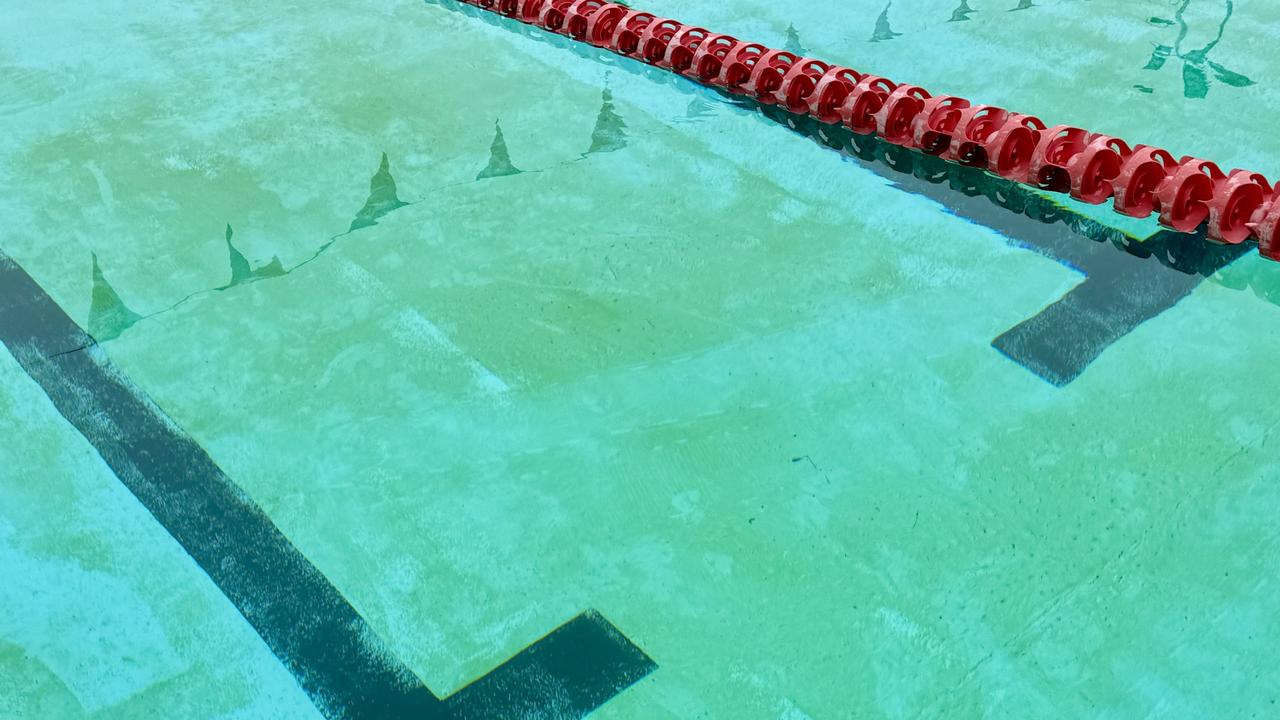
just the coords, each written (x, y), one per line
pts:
(961, 13)
(1258, 276)
(1196, 65)
(699, 109)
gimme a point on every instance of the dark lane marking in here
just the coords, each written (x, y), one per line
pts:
(566, 674)
(1120, 292)
(1127, 280)
(333, 654)
(306, 622)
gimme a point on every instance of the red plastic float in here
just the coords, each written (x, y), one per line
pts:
(1139, 180)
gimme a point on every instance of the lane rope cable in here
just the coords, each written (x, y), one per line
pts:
(1139, 180)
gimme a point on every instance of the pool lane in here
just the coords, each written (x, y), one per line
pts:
(749, 452)
(788, 464)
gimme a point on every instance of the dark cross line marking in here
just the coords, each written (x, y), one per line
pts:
(567, 674)
(1119, 293)
(333, 654)
(1127, 280)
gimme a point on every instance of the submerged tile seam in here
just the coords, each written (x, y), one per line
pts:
(335, 657)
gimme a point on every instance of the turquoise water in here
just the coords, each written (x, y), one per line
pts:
(482, 335)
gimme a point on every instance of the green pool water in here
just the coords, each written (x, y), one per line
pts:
(498, 331)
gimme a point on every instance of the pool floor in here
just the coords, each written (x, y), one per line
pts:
(394, 361)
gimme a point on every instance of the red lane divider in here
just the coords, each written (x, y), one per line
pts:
(1091, 167)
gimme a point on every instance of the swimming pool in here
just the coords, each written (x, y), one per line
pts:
(400, 342)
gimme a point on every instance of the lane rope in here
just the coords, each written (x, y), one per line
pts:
(1140, 180)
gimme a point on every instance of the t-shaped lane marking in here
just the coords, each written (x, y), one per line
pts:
(333, 654)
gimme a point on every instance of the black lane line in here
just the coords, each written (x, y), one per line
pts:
(333, 654)
(1119, 294)
(1127, 280)
(567, 674)
(306, 622)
